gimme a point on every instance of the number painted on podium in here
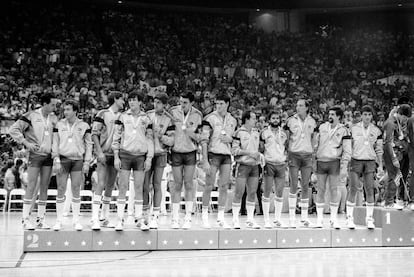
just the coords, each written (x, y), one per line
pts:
(33, 238)
(388, 218)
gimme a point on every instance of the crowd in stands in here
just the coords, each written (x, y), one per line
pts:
(78, 54)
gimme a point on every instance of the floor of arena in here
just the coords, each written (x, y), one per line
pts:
(382, 261)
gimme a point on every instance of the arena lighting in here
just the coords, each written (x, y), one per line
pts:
(119, 2)
(257, 10)
(399, 5)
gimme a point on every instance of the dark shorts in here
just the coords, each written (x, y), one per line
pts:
(109, 160)
(275, 171)
(159, 161)
(133, 162)
(246, 171)
(329, 168)
(218, 159)
(38, 161)
(180, 159)
(363, 166)
(299, 160)
(69, 165)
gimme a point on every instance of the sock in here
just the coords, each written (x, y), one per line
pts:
(145, 211)
(75, 209)
(220, 214)
(156, 212)
(250, 210)
(105, 206)
(138, 208)
(292, 206)
(304, 208)
(266, 208)
(204, 212)
(175, 211)
(319, 211)
(41, 209)
(370, 209)
(96, 203)
(120, 208)
(188, 208)
(278, 207)
(236, 210)
(60, 206)
(334, 211)
(350, 209)
(27, 204)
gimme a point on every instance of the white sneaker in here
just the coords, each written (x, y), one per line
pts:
(77, 226)
(279, 224)
(411, 206)
(394, 206)
(223, 224)
(153, 224)
(96, 226)
(120, 225)
(319, 224)
(65, 214)
(306, 223)
(187, 224)
(236, 224)
(268, 224)
(252, 225)
(57, 226)
(350, 223)
(130, 220)
(27, 225)
(292, 224)
(106, 223)
(175, 224)
(335, 225)
(370, 223)
(142, 225)
(205, 223)
(41, 223)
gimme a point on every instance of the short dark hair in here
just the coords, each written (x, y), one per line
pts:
(73, 103)
(307, 103)
(188, 94)
(405, 109)
(246, 115)
(223, 97)
(338, 111)
(403, 100)
(272, 112)
(136, 95)
(367, 109)
(114, 95)
(46, 98)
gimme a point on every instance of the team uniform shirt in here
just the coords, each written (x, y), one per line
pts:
(104, 127)
(395, 139)
(133, 134)
(191, 121)
(366, 142)
(245, 140)
(333, 143)
(73, 142)
(301, 132)
(274, 145)
(163, 124)
(36, 129)
(219, 126)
